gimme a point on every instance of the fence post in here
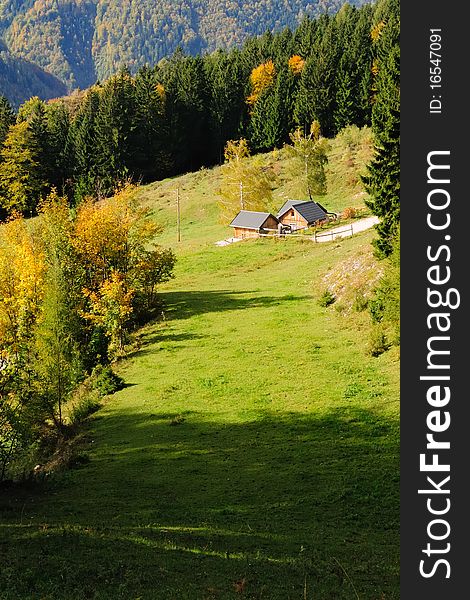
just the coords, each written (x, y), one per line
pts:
(352, 231)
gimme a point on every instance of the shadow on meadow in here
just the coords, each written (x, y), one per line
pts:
(204, 509)
(184, 305)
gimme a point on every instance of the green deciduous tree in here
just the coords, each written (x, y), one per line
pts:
(20, 183)
(246, 184)
(309, 157)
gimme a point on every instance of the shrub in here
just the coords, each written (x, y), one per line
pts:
(360, 302)
(326, 299)
(84, 408)
(349, 213)
(106, 381)
(378, 343)
(385, 306)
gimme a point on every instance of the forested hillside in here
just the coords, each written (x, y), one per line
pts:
(178, 116)
(19, 77)
(80, 41)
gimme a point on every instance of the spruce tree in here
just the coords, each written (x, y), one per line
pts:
(84, 143)
(114, 126)
(383, 178)
(345, 111)
(7, 118)
(60, 147)
(316, 95)
(270, 123)
(151, 159)
(226, 98)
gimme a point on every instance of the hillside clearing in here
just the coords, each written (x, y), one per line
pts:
(255, 445)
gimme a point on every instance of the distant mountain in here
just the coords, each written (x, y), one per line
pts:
(20, 79)
(80, 41)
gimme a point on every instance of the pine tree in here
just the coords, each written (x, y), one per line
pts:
(151, 159)
(84, 143)
(114, 127)
(383, 178)
(7, 118)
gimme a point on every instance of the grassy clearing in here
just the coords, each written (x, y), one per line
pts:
(347, 158)
(255, 447)
(253, 452)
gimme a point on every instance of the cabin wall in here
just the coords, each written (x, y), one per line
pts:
(240, 232)
(293, 217)
(270, 223)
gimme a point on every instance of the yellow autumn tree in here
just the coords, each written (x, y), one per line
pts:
(111, 307)
(261, 78)
(109, 235)
(22, 270)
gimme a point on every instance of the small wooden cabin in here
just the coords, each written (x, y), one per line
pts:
(299, 214)
(249, 224)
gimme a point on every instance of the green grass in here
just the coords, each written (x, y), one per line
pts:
(199, 192)
(253, 452)
(255, 440)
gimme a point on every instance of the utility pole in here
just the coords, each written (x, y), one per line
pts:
(242, 200)
(178, 215)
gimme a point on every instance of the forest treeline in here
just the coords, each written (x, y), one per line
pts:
(178, 115)
(80, 41)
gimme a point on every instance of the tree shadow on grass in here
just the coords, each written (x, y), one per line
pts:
(147, 340)
(186, 304)
(190, 511)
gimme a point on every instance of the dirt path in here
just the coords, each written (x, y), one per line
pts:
(346, 230)
(327, 236)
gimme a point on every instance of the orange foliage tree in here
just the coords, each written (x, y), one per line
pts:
(261, 78)
(296, 64)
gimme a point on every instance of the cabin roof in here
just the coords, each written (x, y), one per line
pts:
(309, 210)
(250, 219)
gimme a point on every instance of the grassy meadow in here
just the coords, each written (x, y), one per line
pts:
(254, 450)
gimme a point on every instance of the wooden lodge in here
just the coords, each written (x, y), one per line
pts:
(298, 214)
(250, 224)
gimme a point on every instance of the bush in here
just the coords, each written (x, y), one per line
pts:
(84, 408)
(349, 213)
(326, 299)
(360, 302)
(385, 306)
(378, 343)
(106, 381)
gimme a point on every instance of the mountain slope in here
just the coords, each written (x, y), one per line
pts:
(81, 40)
(20, 79)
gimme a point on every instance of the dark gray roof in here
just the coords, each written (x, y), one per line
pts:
(249, 219)
(309, 210)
